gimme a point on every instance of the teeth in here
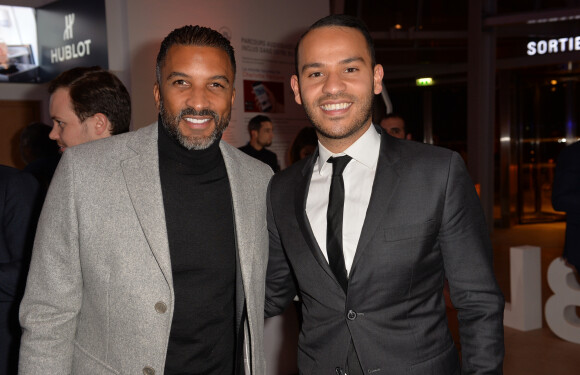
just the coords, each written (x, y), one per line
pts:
(197, 120)
(335, 107)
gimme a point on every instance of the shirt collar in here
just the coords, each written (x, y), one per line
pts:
(364, 150)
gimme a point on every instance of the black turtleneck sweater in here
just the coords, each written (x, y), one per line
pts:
(200, 229)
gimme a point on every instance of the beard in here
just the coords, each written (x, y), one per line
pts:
(362, 115)
(171, 124)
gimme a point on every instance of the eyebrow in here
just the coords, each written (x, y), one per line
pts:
(342, 62)
(176, 74)
(220, 77)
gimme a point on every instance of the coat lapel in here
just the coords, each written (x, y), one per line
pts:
(245, 220)
(385, 183)
(141, 173)
(300, 196)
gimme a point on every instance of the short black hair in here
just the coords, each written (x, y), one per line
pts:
(194, 36)
(256, 122)
(339, 20)
(94, 90)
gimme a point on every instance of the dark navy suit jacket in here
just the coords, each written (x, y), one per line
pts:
(566, 197)
(19, 193)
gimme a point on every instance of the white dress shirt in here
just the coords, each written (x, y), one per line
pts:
(358, 177)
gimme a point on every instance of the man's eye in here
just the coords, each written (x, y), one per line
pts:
(180, 82)
(315, 74)
(351, 70)
(216, 84)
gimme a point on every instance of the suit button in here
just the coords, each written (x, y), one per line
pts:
(161, 308)
(148, 371)
(351, 315)
(338, 371)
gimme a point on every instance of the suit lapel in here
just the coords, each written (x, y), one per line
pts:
(300, 196)
(385, 183)
(141, 173)
(245, 210)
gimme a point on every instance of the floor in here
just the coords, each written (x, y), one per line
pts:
(537, 352)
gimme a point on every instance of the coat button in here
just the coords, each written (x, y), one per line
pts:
(161, 308)
(351, 315)
(148, 371)
(338, 371)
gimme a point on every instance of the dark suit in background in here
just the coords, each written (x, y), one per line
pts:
(264, 155)
(566, 197)
(18, 209)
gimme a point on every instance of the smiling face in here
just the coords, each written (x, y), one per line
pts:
(195, 94)
(336, 84)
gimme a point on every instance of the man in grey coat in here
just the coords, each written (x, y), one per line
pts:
(150, 255)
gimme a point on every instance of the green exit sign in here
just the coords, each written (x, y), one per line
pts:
(425, 81)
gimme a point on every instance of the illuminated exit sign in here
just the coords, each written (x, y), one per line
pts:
(428, 81)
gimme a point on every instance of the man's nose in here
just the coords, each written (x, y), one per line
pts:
(54, 133)
(198, 99)
(333, 84)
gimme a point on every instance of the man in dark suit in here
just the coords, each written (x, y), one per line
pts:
(19, 200)
(566, 197)
(368, 253)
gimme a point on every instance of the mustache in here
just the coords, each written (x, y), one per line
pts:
(193, 112)
(335, 97)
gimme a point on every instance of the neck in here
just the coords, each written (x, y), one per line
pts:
(191, 161)
(254, 143)
(338, 145)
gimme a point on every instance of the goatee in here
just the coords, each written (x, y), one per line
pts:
(171, 124)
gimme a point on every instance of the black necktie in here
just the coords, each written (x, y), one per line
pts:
(334, 220)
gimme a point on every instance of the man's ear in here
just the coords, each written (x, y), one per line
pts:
(156, 95)
(378, 79)
(101, 125)
(296, 88)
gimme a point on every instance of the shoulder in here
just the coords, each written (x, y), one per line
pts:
(243, 160)
(104, 157)
(245, 148)
(17, 188)
(417, 154)
(10, 176)
(571, 151)
(294, 173)
(115, 146)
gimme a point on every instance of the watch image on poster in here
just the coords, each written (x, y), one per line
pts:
(263, 96)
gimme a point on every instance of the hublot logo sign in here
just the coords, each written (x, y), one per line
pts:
(73, 50)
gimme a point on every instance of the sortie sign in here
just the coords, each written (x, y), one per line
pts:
(559, 45)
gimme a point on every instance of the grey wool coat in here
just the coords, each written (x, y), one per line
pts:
(99, 297)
